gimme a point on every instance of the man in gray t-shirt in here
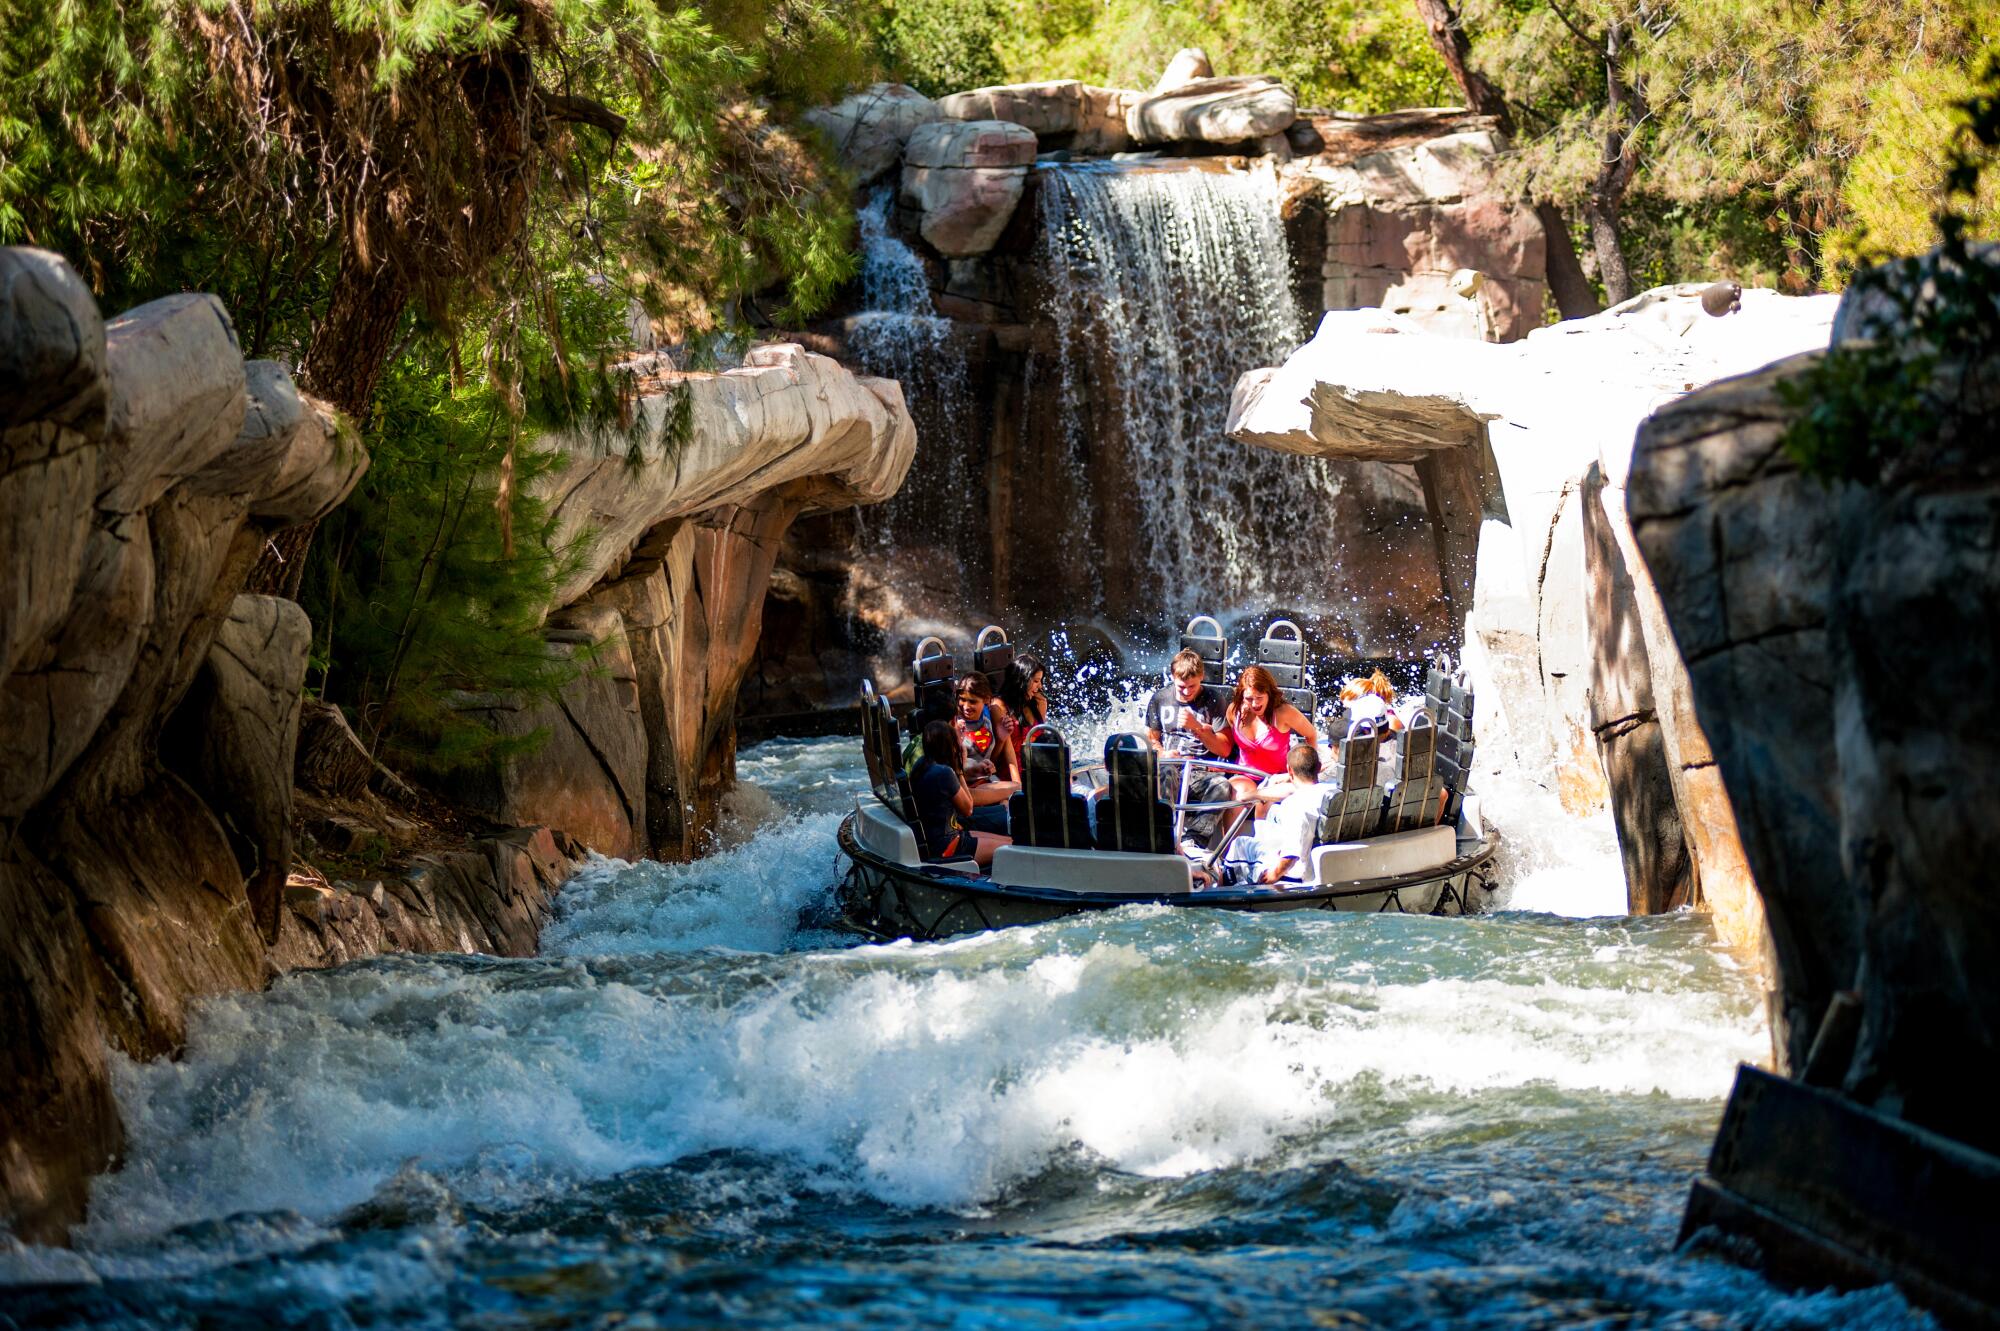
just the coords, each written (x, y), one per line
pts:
(1185, 718)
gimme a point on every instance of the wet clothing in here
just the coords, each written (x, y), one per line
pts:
(936, 789)
(1269, 754)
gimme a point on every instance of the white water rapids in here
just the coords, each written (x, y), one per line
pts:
(1464, 1116)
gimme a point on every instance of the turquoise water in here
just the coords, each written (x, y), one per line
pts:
(704, 1104)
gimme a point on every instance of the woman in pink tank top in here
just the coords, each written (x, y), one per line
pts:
(1262, 723)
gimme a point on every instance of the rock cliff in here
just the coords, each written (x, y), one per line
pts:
(1523, 450)
(1840, 645)
(146, 708)
(683, 514)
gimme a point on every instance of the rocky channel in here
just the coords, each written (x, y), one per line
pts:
(150, 711)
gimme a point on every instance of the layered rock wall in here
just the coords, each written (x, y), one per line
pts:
(145, 706)
(681, 518)
(1837, 642)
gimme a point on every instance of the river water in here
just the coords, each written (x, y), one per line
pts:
(704, 1104)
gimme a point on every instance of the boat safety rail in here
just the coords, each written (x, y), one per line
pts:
(1189, 763)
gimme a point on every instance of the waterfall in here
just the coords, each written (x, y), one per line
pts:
(1163, 286)
(899, 336)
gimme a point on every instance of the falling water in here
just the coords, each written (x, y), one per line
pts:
(900, 336)
(1164, 286)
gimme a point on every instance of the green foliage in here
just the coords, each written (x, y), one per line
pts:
(432, 580)
(1351, 55)
(944, 46)
(1907, 394)
(481, 186)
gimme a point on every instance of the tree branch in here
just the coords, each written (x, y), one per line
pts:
(570, 110)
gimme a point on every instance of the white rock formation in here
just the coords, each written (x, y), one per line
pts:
(1232, 110)
(1189, 63)
(1512, 440)
(964, 178)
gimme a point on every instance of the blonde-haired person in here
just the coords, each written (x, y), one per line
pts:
(1373, 698)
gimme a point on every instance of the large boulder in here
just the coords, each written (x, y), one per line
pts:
(1233, 110)
(1063, 113)
(1405, 221)
(964, 178)
(869, 128)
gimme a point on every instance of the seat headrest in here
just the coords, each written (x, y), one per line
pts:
(1203, 636)
(932, 662)
(992, 655)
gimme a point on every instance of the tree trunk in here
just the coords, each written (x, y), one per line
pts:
(343, 363)
(1616, 169)
(1607, 240)
(1574, 298)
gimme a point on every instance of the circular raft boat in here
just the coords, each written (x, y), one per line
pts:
(1098, 837)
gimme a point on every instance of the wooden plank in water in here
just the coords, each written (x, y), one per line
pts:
(1835, 1193)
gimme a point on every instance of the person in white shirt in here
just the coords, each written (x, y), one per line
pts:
(1284, 839)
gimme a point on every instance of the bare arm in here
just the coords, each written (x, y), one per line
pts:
(962, 800)
(1292, 719)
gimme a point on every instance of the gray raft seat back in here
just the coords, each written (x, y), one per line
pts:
(1437, 687)
(1046, 811)
(1285, 658)
(934, 673)
(887, 746)
(992, 654)
(871, 741)
(1417, 800)
(1209, 643)
(1133, 817)
(1355, 810)
(1456, 747)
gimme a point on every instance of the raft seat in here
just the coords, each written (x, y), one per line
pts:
(1355, 810)
(1133, 819)
(1384, 856)
(1105, 872)
(1415, 801)
(1047, 811)
(935, 675)
(1285, 658)
(991, 657)
(885, 833)
(1210, 645)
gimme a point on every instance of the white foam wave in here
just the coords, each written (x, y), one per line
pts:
(920, 1076)
(746, 898)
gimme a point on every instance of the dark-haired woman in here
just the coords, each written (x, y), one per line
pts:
(944, 802)
(1021, 696)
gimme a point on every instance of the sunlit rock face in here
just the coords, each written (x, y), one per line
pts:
(680, 516)
(1524, 450)
(1839, 641)
(868, 129)
(146, 709)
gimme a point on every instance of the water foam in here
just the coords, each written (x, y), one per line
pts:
(933, 1076)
